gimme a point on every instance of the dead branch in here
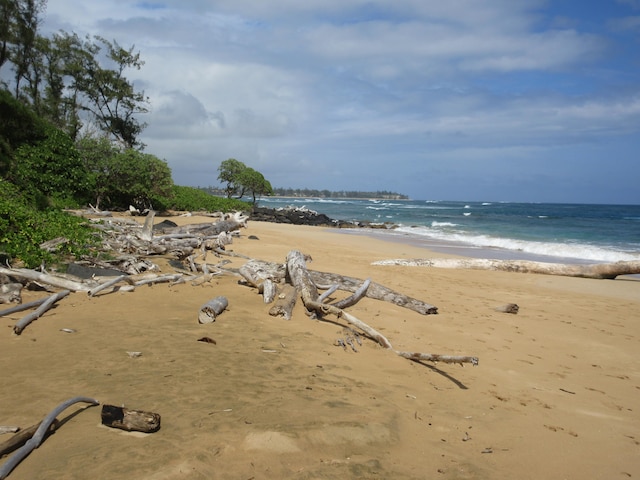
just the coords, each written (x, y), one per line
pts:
(35, 441)
(301, 279)
(596, 271)
(20, 438)
(24, 306)
(46, 305)
(53, 280)
(105, 285)
(356, 297)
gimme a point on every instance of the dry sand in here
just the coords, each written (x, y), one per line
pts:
(555, 395)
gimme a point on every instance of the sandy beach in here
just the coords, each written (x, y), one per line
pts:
(555, 394)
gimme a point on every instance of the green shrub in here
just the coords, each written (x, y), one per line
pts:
(23, 228)
(193, 199)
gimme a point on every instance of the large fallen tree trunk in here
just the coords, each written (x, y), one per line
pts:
(301, 279)
(256, 271)
(53, 280)
(598, 271)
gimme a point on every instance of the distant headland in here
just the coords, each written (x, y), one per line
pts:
(314, 193)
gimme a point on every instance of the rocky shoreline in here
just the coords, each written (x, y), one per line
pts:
(304, 216)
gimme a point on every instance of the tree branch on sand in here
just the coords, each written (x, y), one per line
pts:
(302, 279)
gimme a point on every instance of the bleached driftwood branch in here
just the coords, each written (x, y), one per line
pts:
(38, 437)
(53, 280)
(597, 270)
(301, 279)
(46, 305)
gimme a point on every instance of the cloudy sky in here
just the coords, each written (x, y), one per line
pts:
(514, 100)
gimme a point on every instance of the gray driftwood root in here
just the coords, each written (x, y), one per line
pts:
(210, 310)
(130, 420)
(46, 305)
(301, 279)
(35, 441)
(597, 271)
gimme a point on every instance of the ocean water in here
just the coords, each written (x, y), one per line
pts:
(571, 233)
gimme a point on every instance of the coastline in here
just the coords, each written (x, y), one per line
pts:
(277, 399)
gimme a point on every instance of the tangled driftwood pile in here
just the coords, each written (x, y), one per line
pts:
(131, 245)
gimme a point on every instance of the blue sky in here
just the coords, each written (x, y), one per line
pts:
(498, 100)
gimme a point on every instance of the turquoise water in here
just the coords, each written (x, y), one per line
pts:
(572, 232)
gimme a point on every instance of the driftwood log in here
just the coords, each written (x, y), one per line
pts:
(597, 271)
(46, 305)
(300, 277)
(256, 271)
(210, 310)
(39, 435)
(22, 437)
(11, 293)
(285, 302)
(130, 420)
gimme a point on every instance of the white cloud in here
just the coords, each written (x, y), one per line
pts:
(335, 87)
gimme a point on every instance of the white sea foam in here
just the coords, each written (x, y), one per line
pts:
(443, 224)
(554, 249)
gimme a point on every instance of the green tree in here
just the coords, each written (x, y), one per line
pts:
(254, 183)
(97, 155)
(229, 172)
(130, 177)
(109, 97)
(18, 125)
(51, 170)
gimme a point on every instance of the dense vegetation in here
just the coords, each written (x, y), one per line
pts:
(70, 137)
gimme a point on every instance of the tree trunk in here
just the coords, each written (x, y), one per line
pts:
(597, 271)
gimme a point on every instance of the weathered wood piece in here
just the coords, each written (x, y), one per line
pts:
(130, 420)
(21, 437)
(24, 306)
(301, 279)
(328, 292)
(508, 308)
(285, 302)
(596, 271)
(11, 293)
(269, 290)
(46, 305)
(53, 280)
(375, 291)
(147, 229)
(277, 272)
(105, 285)
(35, 441)
(356, 297)
(210, 310)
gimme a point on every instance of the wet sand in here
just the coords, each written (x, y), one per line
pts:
(555, 394)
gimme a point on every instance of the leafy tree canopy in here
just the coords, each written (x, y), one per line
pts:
(240, 180)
